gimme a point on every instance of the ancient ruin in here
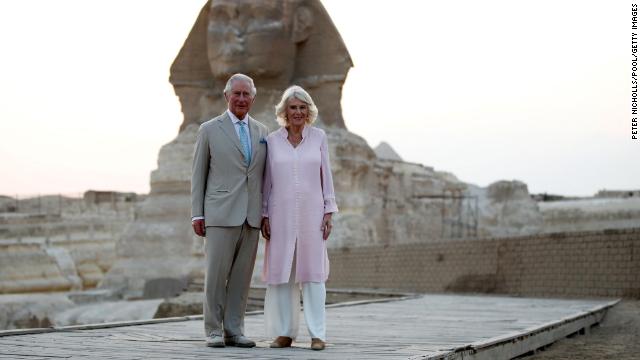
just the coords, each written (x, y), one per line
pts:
(382, 201)
(387, 206)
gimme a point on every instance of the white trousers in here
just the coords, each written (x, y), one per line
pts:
(282, 308)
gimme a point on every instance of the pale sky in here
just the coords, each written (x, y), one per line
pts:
(488, 90)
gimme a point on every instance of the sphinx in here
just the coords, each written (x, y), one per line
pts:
(382, 201)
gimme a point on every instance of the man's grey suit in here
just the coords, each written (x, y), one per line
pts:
(228, 193)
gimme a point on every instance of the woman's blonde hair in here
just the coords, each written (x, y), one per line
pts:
(299, 93)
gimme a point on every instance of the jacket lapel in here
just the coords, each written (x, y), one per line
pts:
(227, 127)
(254, 132)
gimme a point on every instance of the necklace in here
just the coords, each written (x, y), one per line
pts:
(293, 141)
(294, 138)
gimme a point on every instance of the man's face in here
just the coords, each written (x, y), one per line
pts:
(239, 99)
(250, 37)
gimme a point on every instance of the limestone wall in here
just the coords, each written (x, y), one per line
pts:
(42, 310)
(28, 268)
(385, 201)
(70, 250)
(578, 264)
(590, 213)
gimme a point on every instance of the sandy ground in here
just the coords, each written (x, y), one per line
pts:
(617, 337)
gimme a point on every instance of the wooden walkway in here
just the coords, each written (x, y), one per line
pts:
(424, 327)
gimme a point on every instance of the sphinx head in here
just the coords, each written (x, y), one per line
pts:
(258, 38)
(278, 43)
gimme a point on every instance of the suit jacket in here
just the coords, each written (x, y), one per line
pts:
(223, 188)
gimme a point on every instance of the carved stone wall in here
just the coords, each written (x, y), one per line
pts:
(573, 264)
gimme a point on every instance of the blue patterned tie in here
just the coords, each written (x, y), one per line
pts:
(244, 140)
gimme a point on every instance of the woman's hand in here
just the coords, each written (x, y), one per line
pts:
(326, 226)
(266, 228)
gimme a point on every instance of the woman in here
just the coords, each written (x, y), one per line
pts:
(298, 201)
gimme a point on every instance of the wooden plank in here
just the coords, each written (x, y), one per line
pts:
(428, 327)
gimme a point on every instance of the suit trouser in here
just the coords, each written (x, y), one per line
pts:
(230, 253)
(282, 308)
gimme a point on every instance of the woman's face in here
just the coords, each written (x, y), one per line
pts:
(297, 112)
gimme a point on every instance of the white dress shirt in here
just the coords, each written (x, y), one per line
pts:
(236, 125)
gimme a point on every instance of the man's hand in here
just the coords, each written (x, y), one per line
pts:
(326, 226)
(266, 228)
(198, 227)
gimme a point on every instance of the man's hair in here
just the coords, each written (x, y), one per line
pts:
(238, 77)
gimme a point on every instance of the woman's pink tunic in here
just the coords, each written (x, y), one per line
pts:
(297, 192)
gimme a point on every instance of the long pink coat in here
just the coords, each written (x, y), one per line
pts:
(297, 192)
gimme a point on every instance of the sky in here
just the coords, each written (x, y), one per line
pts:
(488, 90)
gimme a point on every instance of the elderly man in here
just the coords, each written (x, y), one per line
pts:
(226, 202)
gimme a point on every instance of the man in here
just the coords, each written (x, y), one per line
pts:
(226, 201)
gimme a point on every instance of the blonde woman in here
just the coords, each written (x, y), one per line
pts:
(298, 202)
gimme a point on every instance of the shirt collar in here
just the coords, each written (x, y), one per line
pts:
(235, 120)
(284, 133)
